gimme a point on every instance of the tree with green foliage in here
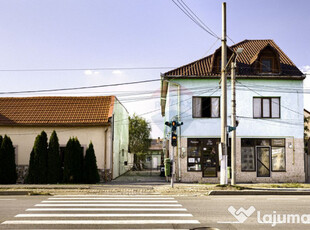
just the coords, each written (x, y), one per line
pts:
(53, 160)
(2, 172)
(7, 161)
(37, 173)
(40, 157)
(30, 178)
(139, 139)
(73, 162)
(91, 175)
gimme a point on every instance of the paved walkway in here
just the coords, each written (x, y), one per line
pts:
(145, 176)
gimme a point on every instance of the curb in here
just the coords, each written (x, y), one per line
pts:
(257, 192)
(13, 193)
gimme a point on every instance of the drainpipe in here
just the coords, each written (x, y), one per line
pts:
(105, 154)
(179, 129)
(293, 151)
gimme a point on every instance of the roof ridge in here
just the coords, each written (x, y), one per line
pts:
(247, 40)
(36, 97)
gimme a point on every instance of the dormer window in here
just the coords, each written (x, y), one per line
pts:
(267, 61)
(266, 65)
(217, 61)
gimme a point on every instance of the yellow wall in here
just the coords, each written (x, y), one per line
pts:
(23, 138)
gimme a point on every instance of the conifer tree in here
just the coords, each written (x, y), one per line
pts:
(73, 162)
(91, 175)
(8, 166)
(53, 162)
(30, 179)
(2, 166)
(40, 157)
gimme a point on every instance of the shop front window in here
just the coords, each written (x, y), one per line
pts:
(203, 156)
(194, 155)
(263, 155)
(278, 155)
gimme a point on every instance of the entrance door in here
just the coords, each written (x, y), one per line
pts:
(263, 161)
(209, 162)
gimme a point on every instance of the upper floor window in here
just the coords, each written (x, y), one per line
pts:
(266, 65)
(208, 107)
(266, 107)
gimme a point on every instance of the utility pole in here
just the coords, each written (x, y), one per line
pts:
(223, 177)
(233, 122)
(172, 167)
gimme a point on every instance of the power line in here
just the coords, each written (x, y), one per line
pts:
(82, 87)
(85, 69)
(193, 18)
(199, 20)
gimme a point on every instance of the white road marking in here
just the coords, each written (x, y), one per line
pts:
(106, 209)
(107, 215)
(282, 198)
(154, 206)
(108, 205)
(92, 222)
(107, 201)
(112, 198)
(228, 198)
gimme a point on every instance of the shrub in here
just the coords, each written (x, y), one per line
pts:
(7, 162)
(37, 173)
(30, 179)
(73, 162)
(40, 158)
(91, 175)
(53, 160)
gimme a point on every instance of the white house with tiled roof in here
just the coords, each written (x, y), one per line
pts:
(102, 120)
(269, 110)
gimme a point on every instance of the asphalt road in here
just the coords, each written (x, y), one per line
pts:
(154, 212)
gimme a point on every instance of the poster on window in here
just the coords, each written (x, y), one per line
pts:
(191, 160)
(247, 159)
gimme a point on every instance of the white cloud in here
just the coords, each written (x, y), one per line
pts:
(305, 69)
(117, 72)
(88, 72)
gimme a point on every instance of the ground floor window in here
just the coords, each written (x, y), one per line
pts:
(202, 155)
(262, 155)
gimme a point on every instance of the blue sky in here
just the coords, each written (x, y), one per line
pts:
(56, 34)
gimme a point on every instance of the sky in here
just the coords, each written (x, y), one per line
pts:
(103, 42)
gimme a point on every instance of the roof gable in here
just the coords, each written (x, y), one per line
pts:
(56, 110)
(252, 48)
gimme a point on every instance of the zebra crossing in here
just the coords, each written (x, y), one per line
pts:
(106, 211)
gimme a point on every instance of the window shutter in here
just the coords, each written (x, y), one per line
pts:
(215, 107)
(257, 107)
(275, 107)
(266, 107)
(196, 106)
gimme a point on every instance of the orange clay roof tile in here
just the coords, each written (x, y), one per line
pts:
(203, 67)
(56, 110)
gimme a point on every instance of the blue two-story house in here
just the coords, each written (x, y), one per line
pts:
(269, 107)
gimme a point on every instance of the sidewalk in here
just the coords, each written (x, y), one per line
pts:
(149, 188)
